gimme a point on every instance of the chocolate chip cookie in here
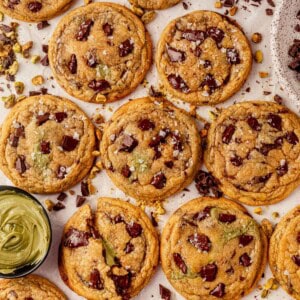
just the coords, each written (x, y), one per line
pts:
(151, 149)
(253, 149)
(108, 254)
(203, 58)
(46, 144)
(284, 253)
(212, 248)
(34, 11)
(29, 288)
(154, 4)
(100, 52)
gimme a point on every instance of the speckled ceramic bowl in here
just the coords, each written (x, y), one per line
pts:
(282, 36)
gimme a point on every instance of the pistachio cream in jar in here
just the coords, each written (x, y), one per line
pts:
(25, 232)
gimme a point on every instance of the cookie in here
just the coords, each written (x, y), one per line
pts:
(100, 52)
(46, 144)
(203, 58)
(151, 149)
(154, 4)
(34, 11)
(108, 254)
(284, 253)
(253, 149)
(212, 248)
(29, 288)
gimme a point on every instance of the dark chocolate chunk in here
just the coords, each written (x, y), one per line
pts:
(80, 200)
(128, 143)
(126, 171)
(84, 30)
(58, 206)
(45, 48)
(228, 133)
(178, 83)
(165, 293)
(298, 237)
(41, 119)
(21, 164)
(194, 35)
(209, 272)
(95, 280)
(282, 169)
(233, 56)
(210, 82)
(76, 238)
(253, 123)
(271, 3)
(69, 143)
(245, 240)
(72, 65)
(207, 64)
(230, 271)
(62, 196)
(60, 116)
(146, 124)
(85, 189)
(169, 164)
(180, 262)
(61, 172)
(108, 30)
(228, 3)
(153, 220)
(118, 219)
(275, 121)
(197, 52)
(205, 182)
(20, 131)
(126, 48)
(245, 260)
(218, 291)
(129, 248)
(13, 140)
(122, 283)
(45, 147)
(216, 33)
(99, 85)
(292, 138)
(260, 179)
(45, 60)
(176, 55)
(159, 180)
(200, 241)
(42, 25)
(34, 6)
(227, 218)
(296, 259)
(266, 148)
(202, 214)
(236, 160)
(154, 93)
(134, 229)
(269, 12)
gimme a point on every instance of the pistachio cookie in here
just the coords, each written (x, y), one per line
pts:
(151, 149)
(203, 58)
(253, 149)
(29, 288)
(46, 144)
(100, 52)
(154, 4)
(34, 11)
(213, 249)
(284, 253)
(109, 254)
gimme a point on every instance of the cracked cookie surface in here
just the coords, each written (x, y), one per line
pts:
(154, 4)
(284, 253)
(253, 149)
(151, 149)
(203, 58)
(100, 52)
(213, 249)
(34, 11)
(46, 144)
(29, 288)
(109, 254)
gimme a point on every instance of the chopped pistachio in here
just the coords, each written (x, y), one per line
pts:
(267, 227)
(13, 69)
(268, 285)
(256, 37)
(38, 80)
(26, 48)
(263, 74)
(72, 193)
(19, 87)
(92, 188)
(17, 48)
(233, 10)
(98, 118)
(9, 101)
(35, 59)
(258, 56)
(49, 204)
(258, 210)
(264, 293)
(275, 214)
(1, 16)
(148, 16)
(218, 4)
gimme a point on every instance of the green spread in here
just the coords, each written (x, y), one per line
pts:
(24, 232)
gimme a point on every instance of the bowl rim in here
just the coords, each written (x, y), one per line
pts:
(26, 270)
